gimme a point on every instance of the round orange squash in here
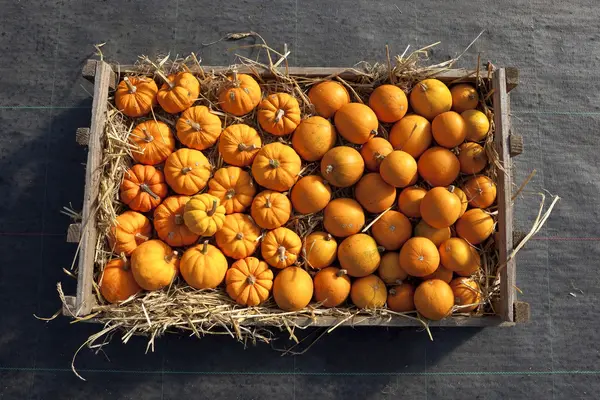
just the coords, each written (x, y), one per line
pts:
(238, 238)
(293, 289)
(249, 281)
(233, 187)
(152, 142)
(477, 125)
(178, 92)
(480, 191)
(128, 231)
(117, 283)
(343, 217)
(440, 273)
(430, 98)
(374, 194)
(374, 151)
(239, 144)
(204, 215)
(240, 95)
(464, 97)
(320, 250)
(342, 166)
(449, 129)
(358, 255)
(170, 224)
(440, 208)
(279, 114)
(392, 230)
(473, 267)
(270, 209)
(457, 255)
(389, 103)
(438, 166)
(437, 236)
(332, 286)
(464, 202)
(203, 266)
(328, 97)
(467, 294)
(434, 299)
(356, 122)
(401, 298)
(472, 158)
(412, 134)
(143, 188)
(475, 226)
(419, 257)
(187, 171)
(409, 201)
(280, 247)
(276, 167)
(389, 269)
(198, 128)
(368, 292)
(154, 265)
(399, 169)
(310, 194)
(314, 137)
(135, 96)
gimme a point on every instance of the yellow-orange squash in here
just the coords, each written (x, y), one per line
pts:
(374, 151)
(276, 167)
(169, 222)
(412, 134)
(240, 95)
(129, 230)
(434, 299)
(233, 187)
(203, 266)
(409, 201)
(198, 128)
(438, 166)
(467, 294)
(187, 171)
(328, 97)
(430, 98)
(475, 226)
(249, 281)
(436, 235)
(392, 230)
(464, 97)
(332, 286)
(441, 273)
(389, 269)
(374, 194)
(449, 129)
(480, 191)
(343, 217)
(356, 122)
(293, 289)
(401, 298)
(280, 247)
(117, 282)
(314, 137)
(154, 264)
(238, 238)
(239, 144)
(178, 92)
(399, 169)
(358, 255)
(472, 158)
(389, 103)
(419, 257)
(464, 202)
(310, 194)
(143, 188)
(457, 255)
(279, 114)
(440, 208)
(135, 96)
(342, 166)
(320, 250)
(204, 215)
(271, 209)
(152, 142)
(368, 292)
(477, 125)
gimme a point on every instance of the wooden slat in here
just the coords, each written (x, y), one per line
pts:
(89, 234)
(405, 322)
(505, 211)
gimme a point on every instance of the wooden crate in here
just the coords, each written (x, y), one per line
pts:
(105, 77)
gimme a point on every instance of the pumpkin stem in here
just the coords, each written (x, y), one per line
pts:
(423, 86)
(281, 253)
(170, 257)
(328, 237)
(380, 249)
(212, 211)
(126, 265)
(392, 291)
(245, 147)
(230, 193)
(451, 188)
(379, 156)
(185, 170)
(194, 125)
(178, 219)
(148, 137)
(165, 78)
(398, 282)
(274, 163)
(329, 169)
(145, 188)
(341, 272)
(236, 82)
(250, 280)
(239, 236)
(278, 116)
(132, 89)
(268, 204)
(205, 247)
(374, 132)
(141, 237)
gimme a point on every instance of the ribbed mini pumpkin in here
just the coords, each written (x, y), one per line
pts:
(240, 94)
(399, 169)
(392, 230)
(293, 289)
(169, 222)
(389, 103)
(279, 114)
(342, 166)
(464, 97)
(343, 217)
(128, 231)
(152, 142)
(480, 191)
(154, 264)
(178, 92)
(233, 187)
(203, 266)
(239, 144)
(198, 128)
(419, 257)
(477, 125)
(449, 129)
(389, 269)
(467, 294)
(328, 97)
(204, 215)
(374, 194)
(276, 167)
(472, 158)
(358, 254)
(314, 137)
(409, 201)
(374, 151)
(319, 250)
(401, 298)
(143, 188)
(117, 282)
(434, 299)
(457, 255)
(280, 247)
(238, 238)
(187, 171)
(271, 209)
(440, 208)
(430, 97)
(475, 226)
(310, 194)
(438, 166)
(356, 123)
(135, 96)
(368, 292)
(412, 134)
(249, 281)
(436, 235)
(332, 286)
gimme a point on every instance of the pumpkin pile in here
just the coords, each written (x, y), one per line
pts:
(395, 182)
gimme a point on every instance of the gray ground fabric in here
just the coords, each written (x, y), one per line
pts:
(556, 46)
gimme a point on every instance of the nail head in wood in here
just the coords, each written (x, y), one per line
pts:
(522, 312)
(516, 144)
(74, 233)
(82, 136)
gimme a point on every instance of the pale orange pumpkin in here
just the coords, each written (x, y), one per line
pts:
(477, 125)
(240, 94)
(441, 273)
(203, 266)
(332, 286)
(310, 194)
(430, 98)
(374, 151)
(457, 255)
(204, 215)
(438, 166)
(239, 144)
(249, 281)
(343, 217)
(399, 169)
(276, 167)
(198, 128)
(409, 201)
(389, 269)
(389, 103)
(436, 235)
(356, 122)
(129, 230)
(472, 158)
(280, 247)
(233, 187)
(464, 202)
(328, 97)
(368, 292)
(152, 142)
(358, 254)
(117, 283)
(239, 236)
(449, 129)
(464, 97)
(314, 137)
(271, 209)
(135, 96)
(187, 171)
(178, 92)
(412, 134)
(143, 188)
(342, 166)
(374, 194)
(154, 264)
(392, 230)
(419, 257)
(169, 222)
(434, 299)
(440, 208)
(480, 191)
(401, 298)
(320, 250)
(279, 114)
(293, 289)
(467, 294)
(475, 226)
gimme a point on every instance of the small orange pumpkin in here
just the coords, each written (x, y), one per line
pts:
(374, 152)
(178, 92)
(204, 215)
(430, 98)
(279, 114)
(187, 171)
(270, 209)
(464, 97)
(342, 166)
(117, 283)
(389, 269)
(436, 235)
(240, 95)
(343, 217)
(477, 125)
(457, 255)
(143, 188)
(203, 266)
(356, 122)
(198, 128)
(169, 222)
(332, 286)
(464, 202)
(392, 230)
(293, 289)
(412, 134)
(314, 137)
(276, 167)
(310, 194)
(320, 250)
(239, 144)
(419, 257)
(467, 294)
(440, 273)
(448, 129)
(374, 194)
(135, 96)
(399, 169)
(152, 142)
(475, 226)
(409, 201)
(249, 281)
(434, 299)
(328, 97)
(389, 103)
(440, 208)
(280, 247)
(154, 265)
(358, 254)
(472, 158)
(128, 231)
(238, 238)
(368, 292)
(438, 166)
(480, 191)
(401, 298)
(233, 187)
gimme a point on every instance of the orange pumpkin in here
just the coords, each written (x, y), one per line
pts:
(473, 267)
(239, 144)
(475, 226)
(204, 215)
(342, 166)
(320, 250)
(448, 129)
(143, 188)
(438, 166)
(389, 269)
(457, 255)
(332, 286)
(152, 142)
(310, 194)
(279, 114)
(434, 299)
(409, 201)
(472, 158)
(419, 257)
(135, 96)
(430, 98)
(117, 283)
(270, 209)
(154, 265)
(203, 266)
(401, 298)
(198, 128)
(249, 281)
(169, 222)
(128, 231)
(240, 95)
(399, 169)
(464, 202)
(178, 92)
(343, 217)
(280, 247)
(187, 171)
(276, 167)
(374, 151)
(480, 191)
(328, 97)
(440, 208)
(392, 230)
(477, 125)
(233, 187)
(467, 294)
(389, 103)
(293, 289)
(368, 292)
(464, 97)
(374, 194)
(314, 137)
(412, 134)
(441, 273)
(356, 123)
(358, 254)
(239, 236)
(436, 235)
